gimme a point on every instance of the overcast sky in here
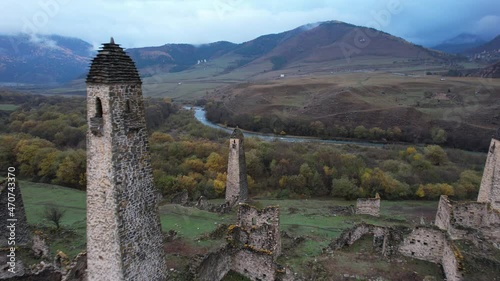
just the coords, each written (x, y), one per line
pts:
(138, 23)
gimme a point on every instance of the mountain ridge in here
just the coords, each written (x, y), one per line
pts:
(42, 58)
(59, 59)
(460, 43)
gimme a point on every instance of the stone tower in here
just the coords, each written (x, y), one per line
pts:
(15, 215)
(124, 239)
(236, 184)
(490, 183)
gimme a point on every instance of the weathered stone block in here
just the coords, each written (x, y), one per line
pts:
(368, 206)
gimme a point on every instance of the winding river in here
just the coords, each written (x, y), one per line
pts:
(201, 115)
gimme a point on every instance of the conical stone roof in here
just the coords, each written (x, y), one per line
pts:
(237, 134)
(112, 66)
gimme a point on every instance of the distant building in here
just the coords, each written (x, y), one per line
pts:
(368, 206)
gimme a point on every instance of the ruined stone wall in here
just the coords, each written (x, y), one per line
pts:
(262, 227)
(368, 206)
(124, 238)
(469, 220)
(18, 217)
(77, 270)
(254, 243)
(424, 243)
(490, 183)
(236, 184)
(214, 266)
(254, 265)
(451, 262)
(386, 240)
(443, 215)
(431, 244)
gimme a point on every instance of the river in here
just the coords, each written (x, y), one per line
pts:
(201, 115)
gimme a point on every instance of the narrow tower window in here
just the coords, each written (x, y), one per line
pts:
(96, 122)
(98, 108)
(127, 106)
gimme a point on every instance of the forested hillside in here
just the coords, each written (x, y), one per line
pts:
(44, 138)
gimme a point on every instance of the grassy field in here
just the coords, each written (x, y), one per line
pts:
(8, 107)
(71, 238)
(312, 219)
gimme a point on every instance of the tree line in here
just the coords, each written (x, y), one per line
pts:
(187, 155)
(448, 133)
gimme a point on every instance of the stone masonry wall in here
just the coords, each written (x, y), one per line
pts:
(431, 244)
(124, 233)
(214, 266)
(469, 220)
(236, 184)
(385, 240)
(254, 243)
(490, 183)
(21, 230)
(425, 244)
(102, 221)
(451, 262)
(443, 215)
(262, 227)
(256, 266)
(368, 206)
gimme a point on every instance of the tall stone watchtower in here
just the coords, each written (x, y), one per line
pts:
(124, 240)
(490, 183)
(236, 184)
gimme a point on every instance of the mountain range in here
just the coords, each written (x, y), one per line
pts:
(44, 59)
(460, 43)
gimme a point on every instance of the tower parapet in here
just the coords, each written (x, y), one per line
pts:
(124, 240)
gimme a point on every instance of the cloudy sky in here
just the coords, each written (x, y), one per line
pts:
(137, 23)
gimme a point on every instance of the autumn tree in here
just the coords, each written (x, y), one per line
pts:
(344, 188)
(72, 171)
(435, 154)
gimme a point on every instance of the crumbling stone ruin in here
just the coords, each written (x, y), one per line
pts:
(236, 184)
(475, 221)
(257, 230)
(489, 192)
(386, 240)
(368, 206)
(432, 244)
(254, 244)
(181, 198)
(124, 240)
(77, 269)
(17, 216)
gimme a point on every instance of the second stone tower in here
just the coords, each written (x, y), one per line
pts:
(236, 184)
